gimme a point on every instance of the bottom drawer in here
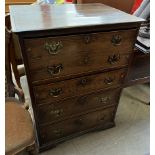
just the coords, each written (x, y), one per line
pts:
(59, 130)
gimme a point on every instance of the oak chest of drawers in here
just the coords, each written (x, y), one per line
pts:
(76, 59)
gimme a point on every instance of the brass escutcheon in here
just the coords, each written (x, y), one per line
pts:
(53, 47)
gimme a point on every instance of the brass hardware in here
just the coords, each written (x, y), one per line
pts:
(57, 113)
(55, 69)
(116, 40)
(109, 80)
(114, 58)
(87, 39)
(83, 82)
(55, 92)
(104, 99)
(54, 47)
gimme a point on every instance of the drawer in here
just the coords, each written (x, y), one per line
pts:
(62, 129)
(80, 64)
(78, 86)
(59, 110)
(60, 46)
(61, 56)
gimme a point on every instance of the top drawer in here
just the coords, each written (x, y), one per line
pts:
(122, 41)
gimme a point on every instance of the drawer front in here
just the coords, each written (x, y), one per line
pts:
(61, 46)
(59, 110)
(79, 86)
(49, 57)
(68, 127)
(82, 63)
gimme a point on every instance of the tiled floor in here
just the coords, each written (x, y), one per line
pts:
(129, 137)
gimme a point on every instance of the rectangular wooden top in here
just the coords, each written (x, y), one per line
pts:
(48, 17)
